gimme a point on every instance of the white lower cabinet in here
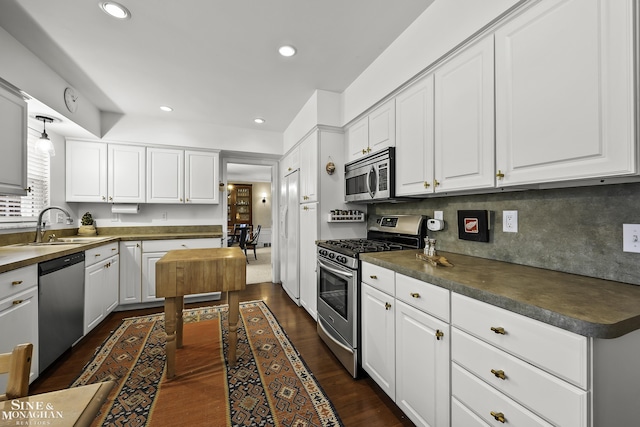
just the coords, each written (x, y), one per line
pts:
(19, 314)
(308, 238)
(130, 272)
(101, 288)
(405, 348)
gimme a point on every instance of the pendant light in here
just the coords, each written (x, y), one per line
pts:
(44, 144)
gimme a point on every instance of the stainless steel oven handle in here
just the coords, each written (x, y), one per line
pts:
(334, 270)
(338, 343)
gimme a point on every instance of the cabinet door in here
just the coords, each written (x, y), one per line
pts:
(149, 276)
(358, 139)
(422, 366)
(382, 126)
(414, 139)
(93, 295)
(19, 324)
(464, 120)
(564, 92)
(202, 171)
(130, 272)
(290, 162)
(165, 175)
(308, 237)
(309, 169)
(111, 285)
(13, 162)
(126, 174)
(86, 171)
(378, 338)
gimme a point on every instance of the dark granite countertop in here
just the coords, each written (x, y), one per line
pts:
(19, 255)
(585, 305)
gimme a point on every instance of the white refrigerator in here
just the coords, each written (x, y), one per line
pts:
(289, 232)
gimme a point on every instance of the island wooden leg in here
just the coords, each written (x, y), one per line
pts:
(179, 321)
(233, 299)
(170, 329)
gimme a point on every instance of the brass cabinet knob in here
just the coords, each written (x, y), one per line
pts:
(436, 183)
(415, 295)
(289, 169)
(110, 199)
(364, 151)
(16, 282)
(499, 416)
(498, 330)
(373, 276)
(306, 208)
(104, 198)
(439, 334)
(499, 373)
(499, 175)
(426, 184)
(387, 306)
(18, 301)
(368, 149)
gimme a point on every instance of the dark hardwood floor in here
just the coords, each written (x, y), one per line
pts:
(358, 402)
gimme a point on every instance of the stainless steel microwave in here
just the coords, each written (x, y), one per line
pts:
(371, 178)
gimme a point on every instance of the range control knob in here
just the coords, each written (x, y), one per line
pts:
(323, 252)
(342, 259)
(332, 255)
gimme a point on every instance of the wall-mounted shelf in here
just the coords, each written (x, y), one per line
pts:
(355, 217)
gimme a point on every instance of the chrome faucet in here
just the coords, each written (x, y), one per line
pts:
(41, 225)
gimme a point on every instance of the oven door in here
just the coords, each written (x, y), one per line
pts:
(361, 183)
(337, 298)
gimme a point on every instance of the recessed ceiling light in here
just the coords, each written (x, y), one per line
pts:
(259, 120)
(115, 9)
(287, 50)
(166, 108)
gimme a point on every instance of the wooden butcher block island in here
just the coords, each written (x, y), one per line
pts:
(194, 271)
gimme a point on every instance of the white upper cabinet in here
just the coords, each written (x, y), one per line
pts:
(464, 120)
(178, 176)
(290, 162)
(373, 132)
(414, 138)
(201, 177)
(565, 92)
(13, 139)
(309, 169)
(165, 175)
(86, 171)
(126, 174)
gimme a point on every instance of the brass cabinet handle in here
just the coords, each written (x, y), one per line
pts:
(499, 175)
(436, 183)
(426, 184)
(306, 208)
(364, 151)
(415, 294)
(498, 330)
(368, 149)
(387, 306)
(104, 198)
(439, 334)
(16, 282)
(499, 374)
(97, 255)
(499, 416)
(18, 301)
(187, 200)
(289, 169)
(373, 276)
(110, 199)
(137, 245)
(114, 249)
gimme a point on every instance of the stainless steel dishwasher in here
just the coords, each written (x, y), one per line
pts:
(60, 306)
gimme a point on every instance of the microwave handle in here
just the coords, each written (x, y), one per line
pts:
(372, 171)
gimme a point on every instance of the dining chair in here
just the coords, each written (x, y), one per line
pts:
(253, 242)
(18, 365)
(244, 236)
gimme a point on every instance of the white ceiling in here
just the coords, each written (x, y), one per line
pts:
(211, 60)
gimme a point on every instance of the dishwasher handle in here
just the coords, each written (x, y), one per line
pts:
(53, 265)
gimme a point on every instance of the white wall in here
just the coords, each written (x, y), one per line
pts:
(444, 24)
(323, 108)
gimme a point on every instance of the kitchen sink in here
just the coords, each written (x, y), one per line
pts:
(66, 241)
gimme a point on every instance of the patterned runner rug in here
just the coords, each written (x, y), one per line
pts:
(269, 386)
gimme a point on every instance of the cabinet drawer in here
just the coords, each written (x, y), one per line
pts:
(461, 416)
(484, 400)
(560, 352)
(423, 296)
(559, 402)
(172, 244)
(379, 277)
(100, 253)
(18, 280)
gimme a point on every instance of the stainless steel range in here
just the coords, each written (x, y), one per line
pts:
(339, 280)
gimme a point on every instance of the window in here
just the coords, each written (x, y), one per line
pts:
(17, 209)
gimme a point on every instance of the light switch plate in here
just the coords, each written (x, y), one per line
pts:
(631, 238)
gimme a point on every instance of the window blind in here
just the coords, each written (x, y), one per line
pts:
(26, 208)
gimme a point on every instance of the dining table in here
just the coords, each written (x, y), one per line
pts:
(69, 407)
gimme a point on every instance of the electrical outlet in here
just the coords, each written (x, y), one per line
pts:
(438, 215)
(510, 221)
(60, 218)
(631, 238)
(164, 216)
